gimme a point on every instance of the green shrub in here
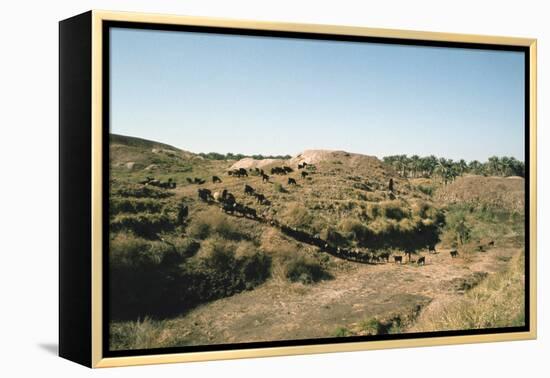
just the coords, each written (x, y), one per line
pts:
(218, 254)
(140, 191)
(158, 278)
(143, 224)
(478, 222)
(459, 227)
(141, 275)
(374, 210)
(175, 249)
(223, 226)
(198, 229)
(296, 215)
(254, 267)
(305, 270)
(426, 189)
(408, 234)
(213, 222)
(223, 268)
(421, 209)
(371, 327)
(127, 250)
(342, 332)
(394, 209)
(134, 205)
(353, 229)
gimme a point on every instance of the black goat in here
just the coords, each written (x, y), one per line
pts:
(205, 195)
(248, 190)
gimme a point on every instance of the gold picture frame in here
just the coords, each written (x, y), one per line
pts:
(86, 32)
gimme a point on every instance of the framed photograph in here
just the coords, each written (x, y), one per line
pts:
(235, 189)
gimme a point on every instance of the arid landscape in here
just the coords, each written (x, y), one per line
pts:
(217, 249)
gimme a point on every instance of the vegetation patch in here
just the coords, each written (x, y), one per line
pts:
(498, 301)
(170, 252)
(134, 205)
(342, 332)
(143, 224)
(472, 226)
(162, 278)
(139, 191)
(305, 270)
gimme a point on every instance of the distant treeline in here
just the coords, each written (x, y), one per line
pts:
(448, 169)
(230, 156)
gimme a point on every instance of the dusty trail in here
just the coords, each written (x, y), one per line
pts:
(278, 311)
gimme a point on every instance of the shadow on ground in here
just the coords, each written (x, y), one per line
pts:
(51, 348)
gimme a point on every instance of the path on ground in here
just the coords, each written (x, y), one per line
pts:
(281, 310)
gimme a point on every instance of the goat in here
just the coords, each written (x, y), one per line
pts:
(248, 190)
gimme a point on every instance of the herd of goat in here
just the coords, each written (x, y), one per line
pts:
(227, 200)
(170, 184)
(229, 205)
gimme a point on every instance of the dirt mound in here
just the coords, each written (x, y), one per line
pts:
(318, 156)
(490, 191)
(248, 163)
(312, 157)
(143, 153)
(123, 140)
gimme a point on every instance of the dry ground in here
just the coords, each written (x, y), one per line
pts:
(343, 187)
(278, 311)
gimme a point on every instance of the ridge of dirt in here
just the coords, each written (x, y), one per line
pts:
(508, 192)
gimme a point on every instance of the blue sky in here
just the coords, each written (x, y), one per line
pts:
(257, 95)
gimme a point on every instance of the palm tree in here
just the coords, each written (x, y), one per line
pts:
(429, 164)
(441, 169)
(414, 164)
(493, 165)
(462, 166)
(447, 170)
(475, 167)
(506, 164)
(517, 168)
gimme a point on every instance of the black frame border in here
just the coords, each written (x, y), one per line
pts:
(107, 25)
(75, 192)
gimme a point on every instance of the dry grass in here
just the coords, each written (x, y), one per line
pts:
(141, 334)
(498, 301)
(496, 192)
(345, 201)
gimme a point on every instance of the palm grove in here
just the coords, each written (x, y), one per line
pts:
(447, 169)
